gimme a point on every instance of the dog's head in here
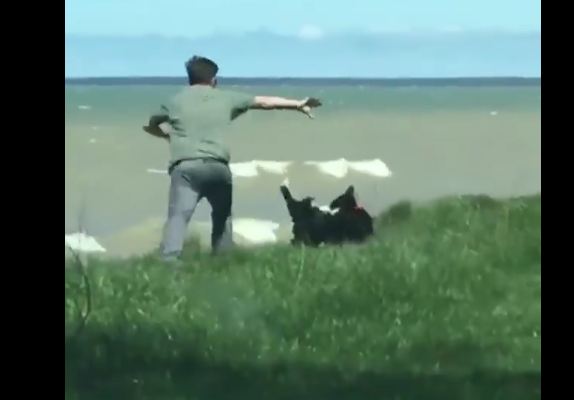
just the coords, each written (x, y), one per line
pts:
(345, 202)
(298, 209)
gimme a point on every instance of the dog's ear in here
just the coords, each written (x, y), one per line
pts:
(350, 191)
(286, 193)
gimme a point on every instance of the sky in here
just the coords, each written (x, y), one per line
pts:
(288, 28)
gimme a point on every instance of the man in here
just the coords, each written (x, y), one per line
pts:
(195, 124)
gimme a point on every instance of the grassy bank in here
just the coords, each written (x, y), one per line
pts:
(443, 304)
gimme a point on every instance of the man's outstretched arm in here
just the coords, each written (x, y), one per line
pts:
(280, 103)
(274, 103)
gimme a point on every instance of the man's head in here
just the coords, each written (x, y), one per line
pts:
(201, 71)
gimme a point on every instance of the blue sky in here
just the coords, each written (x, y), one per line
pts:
(336, 30)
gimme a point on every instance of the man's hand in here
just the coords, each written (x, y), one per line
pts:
(156, 131)
(307, 104)
(159, 125)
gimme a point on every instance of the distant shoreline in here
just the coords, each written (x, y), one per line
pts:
(388, 82)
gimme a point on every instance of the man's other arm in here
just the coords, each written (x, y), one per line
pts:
(154, 126)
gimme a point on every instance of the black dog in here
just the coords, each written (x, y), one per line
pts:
(344, 222)
(310, 224)
(354, 223)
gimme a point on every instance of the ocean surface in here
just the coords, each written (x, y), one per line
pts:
(437, 137)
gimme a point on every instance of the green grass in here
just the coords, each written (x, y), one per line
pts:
(443, 304)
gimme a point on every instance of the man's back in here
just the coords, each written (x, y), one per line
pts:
(200, 117)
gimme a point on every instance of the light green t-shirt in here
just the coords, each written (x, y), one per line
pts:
(200, 117)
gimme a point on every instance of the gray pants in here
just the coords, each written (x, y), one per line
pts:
(192, 180)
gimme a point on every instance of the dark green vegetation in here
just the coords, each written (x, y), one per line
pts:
(443, 304)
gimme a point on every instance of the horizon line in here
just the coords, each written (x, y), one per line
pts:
(368, 32)
(182, 77)
(499, 81)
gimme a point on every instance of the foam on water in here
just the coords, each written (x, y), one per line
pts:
(336, 168)
(256, 231)
(244, 169)
(340, 168)
(146, 236)
(273, 167)
(157, 171)
(371, 167)
(250, 169)
(84, 107)
(82, 243)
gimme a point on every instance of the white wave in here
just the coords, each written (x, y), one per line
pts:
(337, 168)
(146, 235)
(83, 243)
(157, 171)
(250, 169)
(256, 231)
(92, 141)
(494, 113)
(84, 107)
(244, 169)
(340, 168)
(273, 167)
(371, 167)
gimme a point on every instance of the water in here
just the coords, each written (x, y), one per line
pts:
(436, 139)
